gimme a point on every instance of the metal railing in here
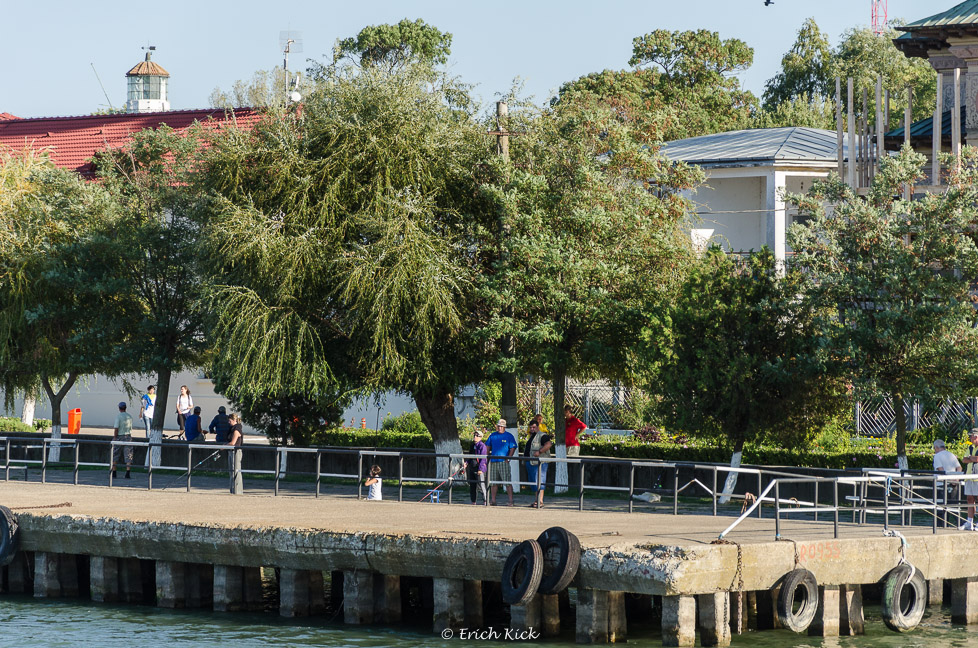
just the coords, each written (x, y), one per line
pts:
(868, 495)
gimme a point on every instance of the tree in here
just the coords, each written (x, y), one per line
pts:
(156, 249)
(800, 111)
(593, 236)
(52, 310)
(348, 235)
(681, 80)
(737, 356)
(265, 88)
(805, 69)
(863, 55)
(897, 276)
(390, 46)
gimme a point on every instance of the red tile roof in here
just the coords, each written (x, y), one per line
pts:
(72, 141)
(7, 116)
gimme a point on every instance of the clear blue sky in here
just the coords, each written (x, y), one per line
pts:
(48, 45)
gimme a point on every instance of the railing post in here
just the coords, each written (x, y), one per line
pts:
(75, 475)
(44, 461)
(190, 456)
(934, 491)
(580, 493)
(451, 481)
(631, 486)
(777, 509)
(149, 473)
(760, 489)
(886, 504)
(360, 474)
(714, 493)
(319, 469)
(835, 507)
(539, 465)
(111, 450)
(400, 477)
(278, 467)
(675, 490)
(7, 466)
(815, 501)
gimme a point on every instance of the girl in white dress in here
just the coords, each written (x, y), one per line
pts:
(373, 483)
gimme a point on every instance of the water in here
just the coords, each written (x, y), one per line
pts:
(27, 621)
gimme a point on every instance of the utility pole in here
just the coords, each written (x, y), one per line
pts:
(508, 408)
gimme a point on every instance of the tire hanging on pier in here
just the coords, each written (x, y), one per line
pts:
(798, 600)
(9, 536)
(522, 573)
(561, 559)
(904, 598)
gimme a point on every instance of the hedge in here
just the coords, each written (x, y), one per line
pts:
(14, 425)
(919, 458)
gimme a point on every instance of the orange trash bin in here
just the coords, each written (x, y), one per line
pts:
(74, 421)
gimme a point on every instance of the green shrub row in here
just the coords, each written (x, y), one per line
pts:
(919, 458)
(14, 425)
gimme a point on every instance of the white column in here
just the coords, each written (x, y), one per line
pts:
(776, 225)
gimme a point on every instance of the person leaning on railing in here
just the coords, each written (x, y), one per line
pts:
(122, 431)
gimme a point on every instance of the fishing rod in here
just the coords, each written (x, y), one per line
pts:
(198, 465)
(452, 476)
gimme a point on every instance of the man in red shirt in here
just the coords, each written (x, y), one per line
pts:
(573, 427)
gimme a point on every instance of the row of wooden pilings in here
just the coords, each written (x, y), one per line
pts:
(458, 608)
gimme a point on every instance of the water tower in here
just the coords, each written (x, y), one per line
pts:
(147, 83)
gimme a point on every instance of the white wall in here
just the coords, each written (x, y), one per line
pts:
(734, 232)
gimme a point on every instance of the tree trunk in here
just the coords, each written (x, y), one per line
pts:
(56, 397)
(438, 414)
(159, 413)
(731, 482)
(27, 413)
(901, 430)
(561, 476)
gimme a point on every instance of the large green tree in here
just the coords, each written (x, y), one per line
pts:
(156, 243)
(805, 69)
(683, 81)
(389, 46)
(594, 235)
(897, 277)
(738, 356)
(53, 310)
(347, 239)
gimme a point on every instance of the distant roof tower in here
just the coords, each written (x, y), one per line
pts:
(147, 85)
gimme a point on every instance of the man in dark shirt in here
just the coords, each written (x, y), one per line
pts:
(220, 425)
(477, 468)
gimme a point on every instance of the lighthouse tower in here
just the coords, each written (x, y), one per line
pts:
(147, 83)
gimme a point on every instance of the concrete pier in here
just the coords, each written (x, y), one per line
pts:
(194, 551)
(935, 591)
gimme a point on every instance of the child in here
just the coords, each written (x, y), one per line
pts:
(374, 483)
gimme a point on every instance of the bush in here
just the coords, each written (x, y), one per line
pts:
(42, 425)
(407, 423)
(359, 438)
(14, 425)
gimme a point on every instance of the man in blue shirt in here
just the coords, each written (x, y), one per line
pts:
(501, 444)
(220, 426)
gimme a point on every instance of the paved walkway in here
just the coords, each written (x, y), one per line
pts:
(339, 511)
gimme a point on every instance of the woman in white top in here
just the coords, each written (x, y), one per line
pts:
(373, 483)
(185, 405)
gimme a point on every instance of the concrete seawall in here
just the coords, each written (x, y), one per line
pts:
(669, 557)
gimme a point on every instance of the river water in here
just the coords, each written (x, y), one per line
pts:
(29, 622)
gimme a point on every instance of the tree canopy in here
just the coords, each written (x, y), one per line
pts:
(893, 280)
(683, 81)
(392, 45)
(805, 69)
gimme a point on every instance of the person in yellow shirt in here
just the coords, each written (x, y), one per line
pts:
(540, 424)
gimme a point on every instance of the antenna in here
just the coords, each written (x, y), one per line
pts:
(111, 107)
(149, 49)
(290, 41)
(879, 16)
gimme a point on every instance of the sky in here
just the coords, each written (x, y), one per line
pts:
(50, 46)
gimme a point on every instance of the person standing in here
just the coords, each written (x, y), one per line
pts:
(236, 437)
(971, 486)
(147, 407)
(573, 427)
(122, 431)
(537, 446)
(193, 432)
(540, 424)
(185, 405)
(476, 468)
(501, 444)
(220, 425)
(945, 461)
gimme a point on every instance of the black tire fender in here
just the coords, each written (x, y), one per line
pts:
(798, 600)
(522, 573)
(9, 536)
(904, 598)
(560, 569)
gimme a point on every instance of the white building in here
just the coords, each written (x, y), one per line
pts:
(741, 206)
